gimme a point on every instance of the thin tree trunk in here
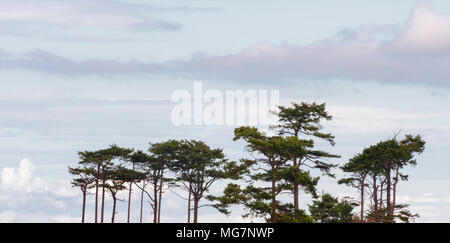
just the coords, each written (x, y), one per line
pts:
(274, 203)
(160, 195)
(380, 201)
(362, 201)
(129, 202)
(189, 203)
(196, 209)
(394, 191)
(142, 199)
(84, 206)
(296, 194)
(103, 201)
(114, 210)
(155, 204)
(375, 198)
(96, 192)
(388, 191)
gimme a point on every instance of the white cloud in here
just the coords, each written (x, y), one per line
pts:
(382, 53)
(359, 119)
(7, 217)
(21, 179)
(428, 32)
(66, 192)
(64, 218)
(86, 14)
(424, 198)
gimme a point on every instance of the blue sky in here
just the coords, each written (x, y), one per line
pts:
(84, 74)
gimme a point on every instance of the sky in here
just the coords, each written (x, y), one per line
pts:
(81, 75)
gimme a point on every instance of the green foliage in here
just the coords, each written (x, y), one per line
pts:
(278, 164)
(84, 177)
(378, 169)
(303, 118)
(328, 209)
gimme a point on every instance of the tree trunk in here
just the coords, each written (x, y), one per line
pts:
(189, 203)
(96, 192)
(103, 201)
(394, 190)
(114, 210)
(388, 192)
(296, 194)
(375, 198)
(362, 201)
(84, 205)
(196, 200)
(296, 203)
(155, 203)
(380, 201)
(160, 195)
(142, 200)
(274, 203)
(129, 201)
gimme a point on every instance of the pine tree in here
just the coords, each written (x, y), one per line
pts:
(84, 179)
(304, 121)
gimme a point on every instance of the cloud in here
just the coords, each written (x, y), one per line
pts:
(66, 192)
(44, 61)
(415, 54)
(418, 53)
(358, 119)
(64, 218)
(7, 217)
(428, 33)
(24, 197)
(21, 179)
(29, 15)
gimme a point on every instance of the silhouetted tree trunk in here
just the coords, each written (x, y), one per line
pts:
(96, 192)
(84, 190)
(189, 202)
(394, 190)
(388, 190)
(196, 200)
(155, 203)
(103, 198)
(142, 199)
(362, 201)
(160, 195)
(129, 201)
(375, 198)
(114, 209)
(295, 184)
(274, 202)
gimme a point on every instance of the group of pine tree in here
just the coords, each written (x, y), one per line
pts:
(266, 184)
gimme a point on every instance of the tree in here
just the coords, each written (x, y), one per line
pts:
(142, 162)
(118, 176)
(153, 165)
(98, 161)
(304, 120)
(84, 179)
(359, 170)
(103, 159)
(196, 168)
(328, 209)
(163, 153)
(269, 176)
(379, 169)
(115, 184)
(110, 154)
